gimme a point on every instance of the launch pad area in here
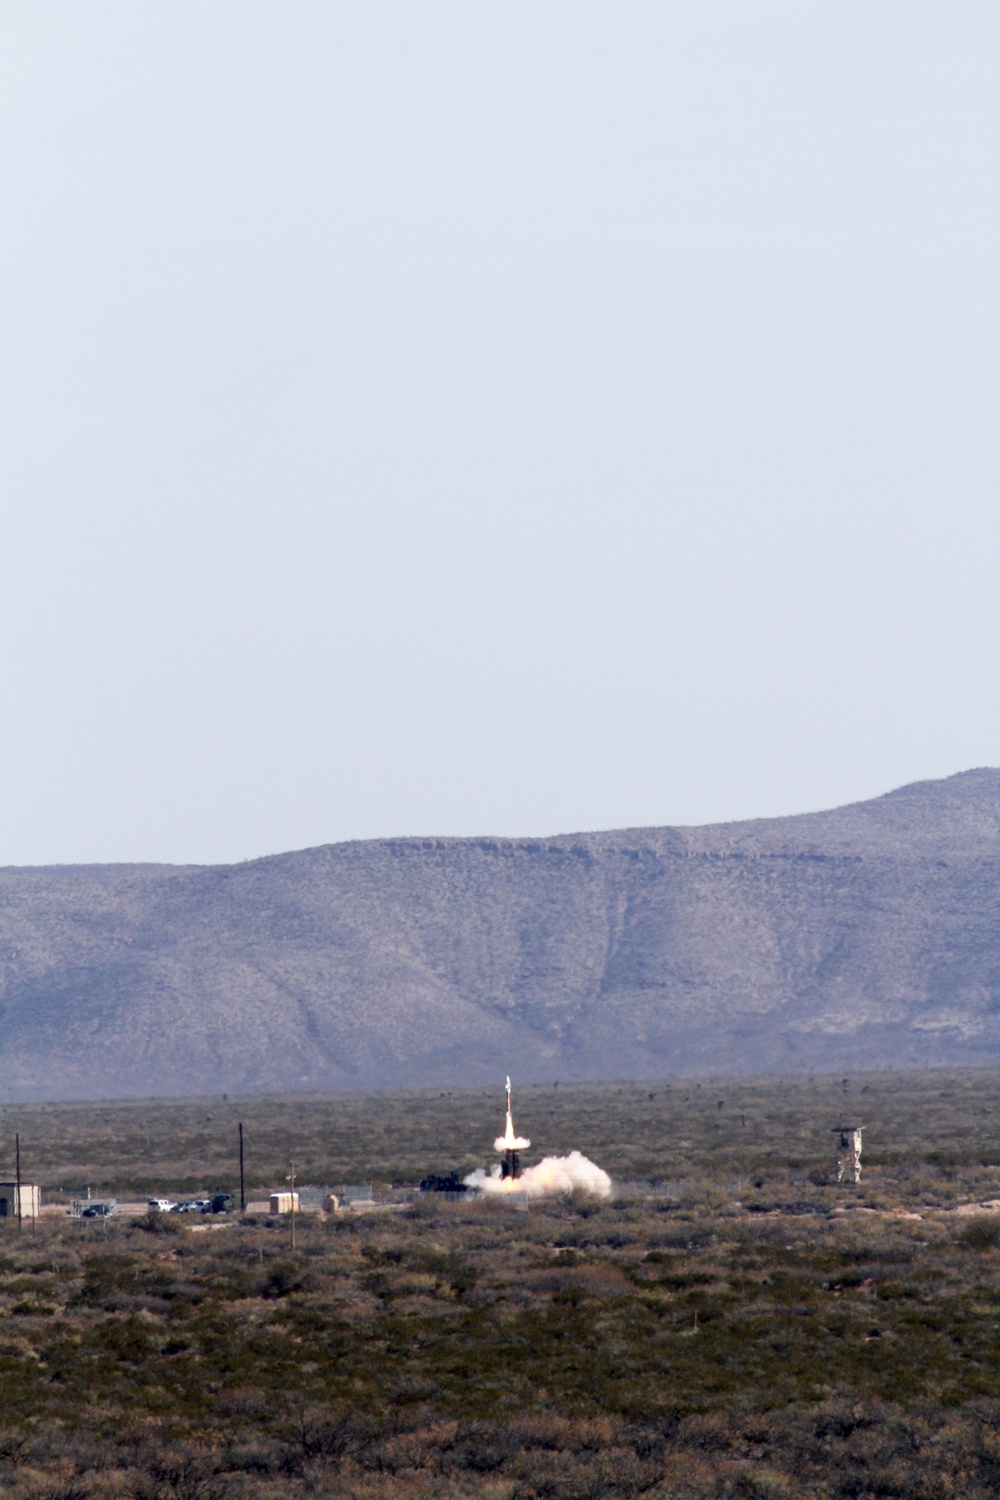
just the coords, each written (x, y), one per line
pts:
(747, 1138)
(587, 1336)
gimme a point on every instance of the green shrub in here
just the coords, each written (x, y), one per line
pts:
(981, 1233)
(160, 1223)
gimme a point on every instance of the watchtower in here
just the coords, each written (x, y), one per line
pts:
(848, 1152)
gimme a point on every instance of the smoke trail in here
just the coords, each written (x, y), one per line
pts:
(552, 1175)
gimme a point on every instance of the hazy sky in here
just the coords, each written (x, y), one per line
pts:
(441, 418)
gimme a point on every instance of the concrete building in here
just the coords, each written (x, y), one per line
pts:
(284, 1203)
(31, 1200)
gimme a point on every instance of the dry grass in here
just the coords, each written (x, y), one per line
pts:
(722, 1328)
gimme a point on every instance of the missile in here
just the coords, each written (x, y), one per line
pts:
(510, 1145)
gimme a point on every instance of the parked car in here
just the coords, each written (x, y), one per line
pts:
(98, 1211)
(193, 1206)
(160, 1205)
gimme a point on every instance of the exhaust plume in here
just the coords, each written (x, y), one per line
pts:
(509, 1141)
(552, 1176)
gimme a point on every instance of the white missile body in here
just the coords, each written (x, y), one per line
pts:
(509, 1141)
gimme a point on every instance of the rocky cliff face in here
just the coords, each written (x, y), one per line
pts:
(866, 936)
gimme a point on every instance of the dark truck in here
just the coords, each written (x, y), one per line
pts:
(449, 1184)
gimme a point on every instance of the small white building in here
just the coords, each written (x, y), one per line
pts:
(284, 1203)
(30, 1204)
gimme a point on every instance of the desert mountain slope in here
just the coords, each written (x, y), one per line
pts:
(865, 936)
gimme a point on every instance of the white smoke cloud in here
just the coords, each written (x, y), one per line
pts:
(552, 1175)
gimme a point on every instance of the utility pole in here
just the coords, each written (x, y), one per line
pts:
(292, 1180)
(17, 1174)
(243, 1196)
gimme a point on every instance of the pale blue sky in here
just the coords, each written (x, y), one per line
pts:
(445, 418)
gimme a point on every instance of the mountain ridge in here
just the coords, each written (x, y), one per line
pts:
(866, 935)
